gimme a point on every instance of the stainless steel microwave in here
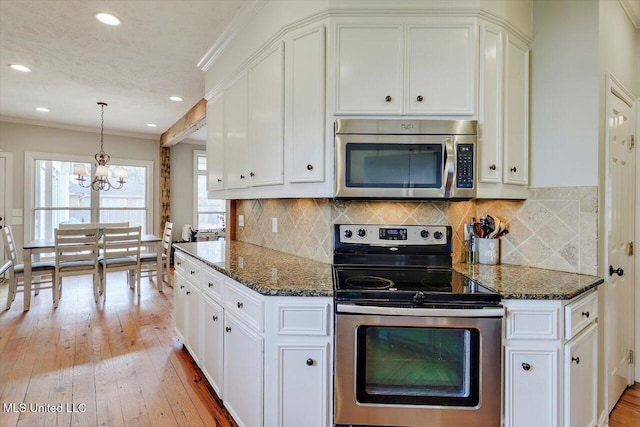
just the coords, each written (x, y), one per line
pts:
(405, 159)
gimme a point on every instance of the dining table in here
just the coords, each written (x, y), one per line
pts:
(36, 247)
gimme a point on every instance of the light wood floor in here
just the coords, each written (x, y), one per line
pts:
(115, 364)
(626, 413)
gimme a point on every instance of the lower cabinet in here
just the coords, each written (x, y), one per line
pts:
(268, 358)
(551, 362)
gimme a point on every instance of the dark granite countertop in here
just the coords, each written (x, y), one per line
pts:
(266, 271)
(270, 272)
(519, 282)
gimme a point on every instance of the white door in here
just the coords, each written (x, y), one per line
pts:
(235, 129)
(619, 231)
(215, 143)
(3, 208)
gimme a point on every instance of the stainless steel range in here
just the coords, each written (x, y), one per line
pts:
(417, 344)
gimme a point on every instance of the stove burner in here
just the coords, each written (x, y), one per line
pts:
(369, 282)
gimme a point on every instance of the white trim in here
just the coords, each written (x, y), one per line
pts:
(29, 202)
(603, 421)
(636, 243)
(194, 184)
(8, 191)
(633, 12)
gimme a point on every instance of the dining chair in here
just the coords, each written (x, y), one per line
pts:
(121, 252)
(76, 254)
(150, 259)
(15, 269)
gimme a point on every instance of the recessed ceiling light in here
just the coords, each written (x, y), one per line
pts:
(176, 98)
(107, 18)
(152, 125)
(42, 109)
(19, 67)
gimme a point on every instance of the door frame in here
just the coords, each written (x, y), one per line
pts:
(615, 88)
(8, 193)
(637, 254)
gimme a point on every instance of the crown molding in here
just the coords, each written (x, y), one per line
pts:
(9, 119)
(239, 21)
(632, 9)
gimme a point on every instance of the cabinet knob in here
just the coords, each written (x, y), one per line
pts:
(310, 362)
(241, 176)
(420, 98)
(309, 167)
(526, 366)
(492, 167)
(179, 263)
(215, 318)
(586, 314)
(192, 272)
(388, 98)
(617, 271)
(210, 285)
(240, 305)
(252, 174)
(514, 169)
(576, 359)
(219, 180)
(181, 286)
(228, 329)
(188, 292)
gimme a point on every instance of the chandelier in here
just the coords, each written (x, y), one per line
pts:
(101, 180)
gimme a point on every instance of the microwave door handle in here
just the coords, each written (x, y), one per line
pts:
(448, 166)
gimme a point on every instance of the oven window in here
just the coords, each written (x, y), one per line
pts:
(394, 165)
(418, 365)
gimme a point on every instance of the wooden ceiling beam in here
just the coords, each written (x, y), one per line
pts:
(192, 121)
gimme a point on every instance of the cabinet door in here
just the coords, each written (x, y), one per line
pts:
(212, 344)
(516, 113)
(179, 311)
(369, 73)
(304, 383)
(235, 131)
(490, 114)
(441, 74)
(531, 383)
(581, 379)
(192, 307)
(243, 372)
(215, 143)
(305, 107)
(266, 118)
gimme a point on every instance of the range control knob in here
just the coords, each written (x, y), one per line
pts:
(437, 235)
(348, 234)
(424, 234)
(418, 298)
(362, 232)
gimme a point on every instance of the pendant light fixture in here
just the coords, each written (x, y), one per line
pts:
(101, 180)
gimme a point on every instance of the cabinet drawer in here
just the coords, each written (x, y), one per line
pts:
(180, 262)
(578, 314)
(212, 284)
(298, 319)
(534, 323)
(245, 304)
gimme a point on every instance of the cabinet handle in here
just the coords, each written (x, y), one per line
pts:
(188, 292)
(179, 263)
(585, 314)
(617, 271)
(420, 98)
(309, 167)
(192, 272)
(576, 359)
(228, 329)
(215, 318)
(219, 180)
(513, 169)
(240, 305)
(526, 366)
(388, 98)
(252, 174)
(310, 362)
(181, 286)
(241, 176)
(492, 167)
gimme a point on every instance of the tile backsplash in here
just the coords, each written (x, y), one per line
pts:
(555, 228)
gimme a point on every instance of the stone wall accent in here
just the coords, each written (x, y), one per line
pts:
(165, 187)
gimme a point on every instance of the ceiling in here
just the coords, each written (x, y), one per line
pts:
(135, 67)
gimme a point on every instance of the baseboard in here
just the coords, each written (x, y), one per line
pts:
(603, 421)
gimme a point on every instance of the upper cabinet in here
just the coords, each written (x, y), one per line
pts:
(235, 134)
(215, 143)
(503, 131)
(427, 68)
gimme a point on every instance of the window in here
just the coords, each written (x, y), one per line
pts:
(209, 213)
(55, 196)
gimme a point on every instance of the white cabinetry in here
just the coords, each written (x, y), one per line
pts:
(235, 134)
(427, 66)
(547, 341)
(503, 165)
(212, 343)
(215, 143)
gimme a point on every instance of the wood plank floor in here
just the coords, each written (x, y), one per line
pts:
(112, 364)
(626, 413)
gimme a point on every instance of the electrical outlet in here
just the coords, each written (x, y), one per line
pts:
(274, 275)
(274, 225)
(240, 220)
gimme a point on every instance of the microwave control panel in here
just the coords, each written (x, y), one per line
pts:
(464, 166)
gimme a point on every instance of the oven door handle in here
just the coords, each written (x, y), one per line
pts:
(448, 166)
(421, 312)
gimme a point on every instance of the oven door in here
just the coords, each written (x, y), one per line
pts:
(417, 367)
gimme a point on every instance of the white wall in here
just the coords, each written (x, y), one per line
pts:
(182, 202)
(17, 138)
(564, 94)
